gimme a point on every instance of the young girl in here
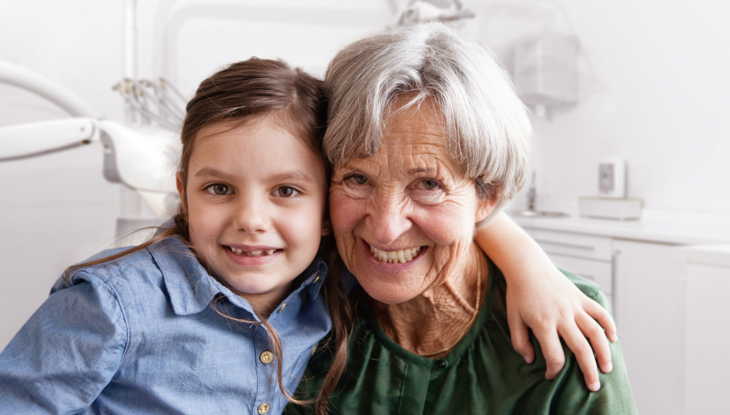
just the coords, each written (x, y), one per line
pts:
(190, 321)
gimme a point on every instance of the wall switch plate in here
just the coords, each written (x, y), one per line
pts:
(612, 178)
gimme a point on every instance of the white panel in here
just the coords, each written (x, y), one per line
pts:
(649, 299)
(708, 337)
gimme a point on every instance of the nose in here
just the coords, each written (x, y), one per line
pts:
(251, 215)
(387, 220)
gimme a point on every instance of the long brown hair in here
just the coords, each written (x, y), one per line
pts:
(238, 93)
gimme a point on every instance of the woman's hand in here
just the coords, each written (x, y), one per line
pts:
(540, 297)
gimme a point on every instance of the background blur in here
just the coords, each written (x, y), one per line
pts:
(654, 91)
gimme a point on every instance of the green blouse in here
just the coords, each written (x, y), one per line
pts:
(482, 374)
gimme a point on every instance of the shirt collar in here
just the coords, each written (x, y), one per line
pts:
(192, 288)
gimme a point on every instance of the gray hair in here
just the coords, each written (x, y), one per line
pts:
(487, 128)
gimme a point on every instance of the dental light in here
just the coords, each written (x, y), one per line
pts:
(143, 158)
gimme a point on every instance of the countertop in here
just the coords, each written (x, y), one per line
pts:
(663, 227)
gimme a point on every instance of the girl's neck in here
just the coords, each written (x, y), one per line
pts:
(264, 304)
(436, 319)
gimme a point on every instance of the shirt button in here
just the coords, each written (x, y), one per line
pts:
(316, 279)
(282, 307)
(442, 363)
(264, 408)
(266, 357)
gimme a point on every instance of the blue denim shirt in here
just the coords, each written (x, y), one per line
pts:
(140, 334)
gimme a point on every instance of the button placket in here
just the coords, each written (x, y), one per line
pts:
(266, 378)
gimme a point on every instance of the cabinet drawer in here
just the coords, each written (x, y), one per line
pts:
(572, 244)
(597, 271)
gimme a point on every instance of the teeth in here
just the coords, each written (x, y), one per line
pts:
(394, 257)
(251, 253)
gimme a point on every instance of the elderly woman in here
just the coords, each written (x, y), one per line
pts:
(428, 139)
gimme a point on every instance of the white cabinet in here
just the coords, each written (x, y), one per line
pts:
(649, 298)
(707, 373)
(573, 244)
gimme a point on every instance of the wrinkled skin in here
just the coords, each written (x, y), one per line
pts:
(411, 194)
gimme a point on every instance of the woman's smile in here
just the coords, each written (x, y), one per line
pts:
(400, 256)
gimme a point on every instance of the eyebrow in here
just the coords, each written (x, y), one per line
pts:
(210, 172)
(292, 175)
(417, 170)
(289, 175)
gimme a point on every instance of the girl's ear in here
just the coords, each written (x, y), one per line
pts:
(484, 208)
(326, 227)
(181, 190)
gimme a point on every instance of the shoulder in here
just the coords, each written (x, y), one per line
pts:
(104, 268)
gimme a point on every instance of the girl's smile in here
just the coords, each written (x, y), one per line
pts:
(251, 255)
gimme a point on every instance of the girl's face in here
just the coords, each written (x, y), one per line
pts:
(255, 199)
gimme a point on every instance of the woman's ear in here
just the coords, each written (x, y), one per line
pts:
(326, 227)
(181, 190)
(485, 206)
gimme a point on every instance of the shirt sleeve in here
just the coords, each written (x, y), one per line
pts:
(69, 350)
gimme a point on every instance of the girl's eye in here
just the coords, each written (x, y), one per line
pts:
(358, 179)
(219, 189)
(285, 191)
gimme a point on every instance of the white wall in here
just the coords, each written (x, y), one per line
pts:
(655, 91)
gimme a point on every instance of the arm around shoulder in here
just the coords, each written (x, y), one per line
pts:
(541, 298)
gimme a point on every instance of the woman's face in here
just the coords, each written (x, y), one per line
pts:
(404, 218)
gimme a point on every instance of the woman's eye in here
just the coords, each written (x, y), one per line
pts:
(285, 191)
(358, 179)
(219, 189)
(429, 184)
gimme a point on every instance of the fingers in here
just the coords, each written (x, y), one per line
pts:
(603, 317)
(552, 350)
(578, 344)
(520, 337)
(595, 334)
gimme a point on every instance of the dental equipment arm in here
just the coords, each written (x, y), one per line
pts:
(65, 98)
(142, 158)
(30, 140)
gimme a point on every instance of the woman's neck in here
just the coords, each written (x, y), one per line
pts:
(437, 319)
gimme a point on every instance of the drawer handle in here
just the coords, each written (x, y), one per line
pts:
(567, 245)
